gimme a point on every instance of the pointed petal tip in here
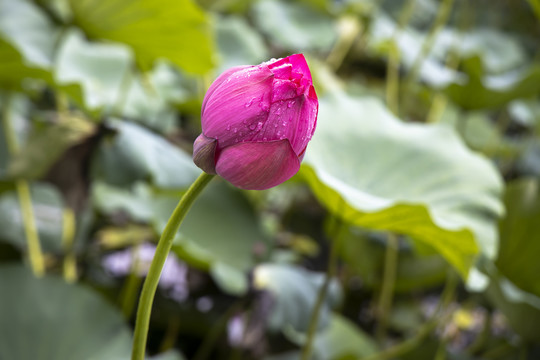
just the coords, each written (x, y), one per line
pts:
(299, 63)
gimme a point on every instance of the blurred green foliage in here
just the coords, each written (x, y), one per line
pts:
(427, 148)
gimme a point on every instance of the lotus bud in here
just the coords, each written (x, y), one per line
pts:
(257, 122)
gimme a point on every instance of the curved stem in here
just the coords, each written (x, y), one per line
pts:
(162, 251)
(330, 273)
(35, 254)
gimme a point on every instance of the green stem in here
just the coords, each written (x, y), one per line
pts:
(394, 59)
(440, 20)
(392, 80)
(25, 199)
(389, 282)
(162, 251)
(68, 237)
(350, 27)
(30, 228)
(132, 285)
(330, 273)
(452, 62)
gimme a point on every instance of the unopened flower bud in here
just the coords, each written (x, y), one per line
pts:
(257, 122)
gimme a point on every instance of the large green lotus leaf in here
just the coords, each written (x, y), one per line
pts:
(342, 340)
(31, 162)
(294, 291)
(528, 162)
(419, 180)
(409, 42)
(491, 91)
(27, 39)
(522, 309)
(499, 55)
(220, 233)
(176, 30)
(29, 30)
(100, 69)
(13, 69)
(137, 201)
(525, 112)
(520, 236)
(150, 96)
(48, 319)
(47, 205)
(136, 153)
(16, 108)
(294, 26)
(109, 83)
(239, 43)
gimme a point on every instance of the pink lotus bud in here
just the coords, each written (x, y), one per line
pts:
(257, 122)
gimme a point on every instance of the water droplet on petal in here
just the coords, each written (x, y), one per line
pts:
(290, 104)
(229, 127)
(252, 126)
(259, 125)
(235, 130)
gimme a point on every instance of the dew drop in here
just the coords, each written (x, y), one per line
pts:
(290, 104)
(259, 125)
(229, 127)
(235, 130)
(252, 126)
